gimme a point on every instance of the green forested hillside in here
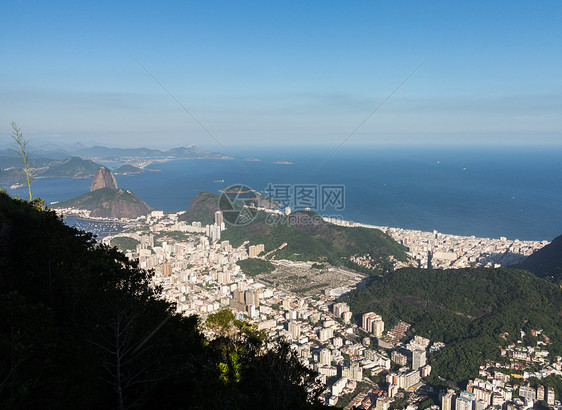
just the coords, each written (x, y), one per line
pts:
(308, 238)
(81, 328)
(254, 266)
(124, 243)
(466, 308)
(202, 209)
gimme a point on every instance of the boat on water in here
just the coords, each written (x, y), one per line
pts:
(218, 180)
(17, 186)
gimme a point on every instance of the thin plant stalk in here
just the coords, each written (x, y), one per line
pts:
(21, 149)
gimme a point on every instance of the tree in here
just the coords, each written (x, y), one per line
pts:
(81, 326)
(21, 149)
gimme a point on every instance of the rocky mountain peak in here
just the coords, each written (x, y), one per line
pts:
(103, 178)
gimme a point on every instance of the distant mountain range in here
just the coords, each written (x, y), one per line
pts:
(81, 162)
(101, 152)
(72, 167)
(11, 171)
(191, 152)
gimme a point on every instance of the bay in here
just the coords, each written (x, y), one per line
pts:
(483, 191)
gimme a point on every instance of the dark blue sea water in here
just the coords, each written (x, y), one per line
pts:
(488, 192)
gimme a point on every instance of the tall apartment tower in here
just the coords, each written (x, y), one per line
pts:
(219, 219)
(540, 393)
(373, 323)
(294, 329)
(418, 359)
(255, 250)
(465, 401)
(166, 269)
(340, 308)
(447, 400)
(550, 396)
(355, 372)
(325, 357)
(378, 328)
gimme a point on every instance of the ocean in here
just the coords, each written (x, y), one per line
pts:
(487, 191)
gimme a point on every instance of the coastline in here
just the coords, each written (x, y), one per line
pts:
(335, 221)
(427, 249)
(441, 250)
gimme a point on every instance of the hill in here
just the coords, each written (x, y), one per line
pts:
(205, 204)
(125, 243)
(81, 327)
(11, 176)
(11, 171)
(309, 238)
(108, 203)
(191, 152)
(254, 266)
(465, 308)
(105, 200)
(546, 262)
(72, 167)
(9, 159)
(202, 209)
(103, 178)
(127, 169)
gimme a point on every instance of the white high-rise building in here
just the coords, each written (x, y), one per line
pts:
(550, 396)
(418, 359)
(378, 328)
(294, 329)
(447, 400)
(355, 372)
(219, 218)
(373, 323)
(325, 357)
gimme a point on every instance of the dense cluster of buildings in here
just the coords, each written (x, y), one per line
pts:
(496, 392)
(199, 273)
(439, 250)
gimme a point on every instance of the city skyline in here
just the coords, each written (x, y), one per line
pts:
(290, 73)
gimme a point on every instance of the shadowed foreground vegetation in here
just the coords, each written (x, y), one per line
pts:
(81, 327)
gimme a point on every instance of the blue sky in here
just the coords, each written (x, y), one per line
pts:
(282, 73)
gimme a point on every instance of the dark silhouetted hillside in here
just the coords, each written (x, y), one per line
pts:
(546, 262)
(82, 328)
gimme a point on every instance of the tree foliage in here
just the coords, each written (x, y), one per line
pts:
(308, 238)
(81, 326)
(255, 266)
(465, 308)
